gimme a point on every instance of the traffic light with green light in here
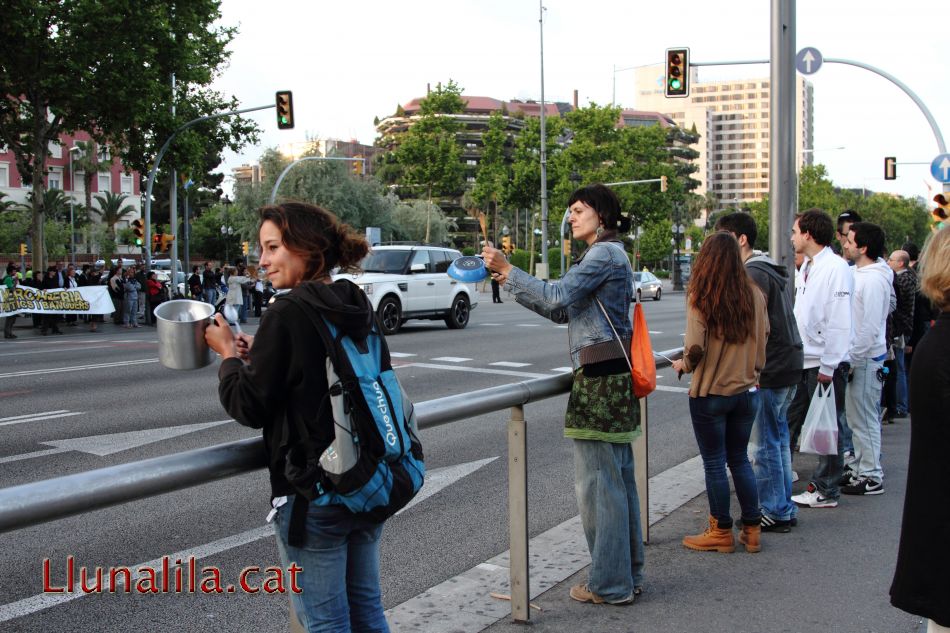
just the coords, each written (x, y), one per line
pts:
(677, 72)
(285, 110)
(138, 229)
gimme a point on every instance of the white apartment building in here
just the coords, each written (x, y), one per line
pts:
(732, 119)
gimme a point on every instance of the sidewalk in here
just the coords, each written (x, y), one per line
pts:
(830, 574)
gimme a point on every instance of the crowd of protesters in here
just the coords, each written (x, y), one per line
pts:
(135, 292)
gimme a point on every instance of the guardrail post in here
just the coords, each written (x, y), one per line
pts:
(518, 514)
(641, 470)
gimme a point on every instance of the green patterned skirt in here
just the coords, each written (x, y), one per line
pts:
(602, 408)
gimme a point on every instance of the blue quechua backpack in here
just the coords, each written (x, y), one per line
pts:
(375, 465)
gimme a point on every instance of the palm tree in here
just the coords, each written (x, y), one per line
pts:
(55, 202)
(89, 163)
(112, 209)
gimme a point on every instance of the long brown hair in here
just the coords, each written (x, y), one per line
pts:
(721, 291)
(318, 236)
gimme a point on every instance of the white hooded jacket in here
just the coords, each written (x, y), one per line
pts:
(823, 310)
(873, 287)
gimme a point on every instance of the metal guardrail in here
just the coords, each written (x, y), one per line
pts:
(51, 499)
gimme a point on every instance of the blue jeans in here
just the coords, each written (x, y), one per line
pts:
(610, 513)
(340, 577)
(722, 425)
(901, 378)
(771, 454)
(211, 296)
(863, 403)
(130, 311)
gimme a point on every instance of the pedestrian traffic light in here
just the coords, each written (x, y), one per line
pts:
(138, 229)
(677, 72)
(663, 184)
(245, 247)
(358, 166)
(890, 168)
(157, 242)
(22, 248)
(285, 110)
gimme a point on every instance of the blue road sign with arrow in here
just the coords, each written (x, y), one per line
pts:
(940, 168)
(808, 61)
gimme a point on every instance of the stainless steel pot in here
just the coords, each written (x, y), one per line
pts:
(181, 334)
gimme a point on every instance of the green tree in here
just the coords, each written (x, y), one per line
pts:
(428, 153)
(491, 178)
(413, 220)
(90, 162)
(57, 77)
(655, 242)
(112, 209)
(360, 202)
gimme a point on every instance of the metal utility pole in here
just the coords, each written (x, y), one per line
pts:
(173, 215)
(783, 174)
(544, 161)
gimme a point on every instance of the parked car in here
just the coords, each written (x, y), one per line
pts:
(412, 282)
(647, 285)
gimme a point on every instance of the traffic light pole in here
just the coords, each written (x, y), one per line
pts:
(154, 171)
(280, 178)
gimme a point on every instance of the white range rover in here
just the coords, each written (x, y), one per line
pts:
(412, 282)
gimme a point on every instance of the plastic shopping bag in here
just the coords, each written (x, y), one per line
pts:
(820, 429)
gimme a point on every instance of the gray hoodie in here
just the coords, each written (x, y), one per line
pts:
(783, 352)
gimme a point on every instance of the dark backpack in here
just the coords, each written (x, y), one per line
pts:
(375, 464)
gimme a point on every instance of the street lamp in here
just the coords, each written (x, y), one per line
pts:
(72, 191)
(678, 231)
(226, 229)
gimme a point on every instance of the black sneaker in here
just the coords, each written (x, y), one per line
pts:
(864, 486)
(768, 524)
(847, 478)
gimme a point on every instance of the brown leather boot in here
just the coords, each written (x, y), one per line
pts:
(714, 539)
(749, 536)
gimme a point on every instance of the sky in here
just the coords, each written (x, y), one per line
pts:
(348, 62)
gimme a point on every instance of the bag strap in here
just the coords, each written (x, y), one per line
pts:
(626, 356)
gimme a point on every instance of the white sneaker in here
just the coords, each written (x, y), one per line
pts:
(811, 497)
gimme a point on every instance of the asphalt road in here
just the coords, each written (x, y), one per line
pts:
(82, 401)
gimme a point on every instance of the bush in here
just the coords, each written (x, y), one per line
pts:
(520, 258)
(468, 251)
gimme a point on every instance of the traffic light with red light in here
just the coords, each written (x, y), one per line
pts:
(677, 72)
(285, 110)
(157, 242)
(138, 229)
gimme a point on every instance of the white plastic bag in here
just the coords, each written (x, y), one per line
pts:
(820, 429)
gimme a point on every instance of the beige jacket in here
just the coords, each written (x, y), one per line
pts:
(720, 368)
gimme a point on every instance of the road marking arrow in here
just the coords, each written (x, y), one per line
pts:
(110, 443)
(439, 478)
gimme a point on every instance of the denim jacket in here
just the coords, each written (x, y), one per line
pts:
(602, 271)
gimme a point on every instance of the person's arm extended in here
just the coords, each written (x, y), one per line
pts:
(579, 281)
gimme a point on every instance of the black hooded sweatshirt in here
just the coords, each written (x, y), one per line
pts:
(286, 379)
(783, 352)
